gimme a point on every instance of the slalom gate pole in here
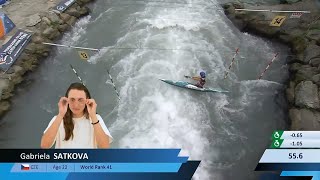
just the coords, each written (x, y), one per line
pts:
(227, 72)
(268, 66)
(114, 86)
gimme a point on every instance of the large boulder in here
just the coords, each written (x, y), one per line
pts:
(299, 43)
(53, 17)
(305, 72)
(306, 95)
(83, 11)
(304, 119)
(51, 33)
(73, 12)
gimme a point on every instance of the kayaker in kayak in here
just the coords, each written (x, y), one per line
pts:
(201, 79)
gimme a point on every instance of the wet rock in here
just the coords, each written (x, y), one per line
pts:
(65, 17)
(299, 44)
(262, 27)
(37, 49)
(72, 21)
(306, 95)
(314, 34)
(305, 72)
(73, 12)
(4, 106)
(291, 59)
(316, 79)
(316, 61)
(29, 64)
(290, 33)
(63, 27)
(84, 11)
(295, 67)
(312, 55)
(236, 17)
(51, 33)
(304, 119)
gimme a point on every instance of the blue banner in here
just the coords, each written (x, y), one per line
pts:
(95, 164)
(48, 171)
(314, 174)
(10, 51)
(92, 155)
(95, 167)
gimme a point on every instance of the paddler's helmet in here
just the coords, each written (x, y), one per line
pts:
(203, 74)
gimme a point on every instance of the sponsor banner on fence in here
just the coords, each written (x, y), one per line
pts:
(10, 51)
(63, 5)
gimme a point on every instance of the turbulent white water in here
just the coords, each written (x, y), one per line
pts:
(227, 132)
(152, 114)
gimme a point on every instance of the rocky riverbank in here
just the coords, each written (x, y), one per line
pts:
(35, 16)
(303, 36)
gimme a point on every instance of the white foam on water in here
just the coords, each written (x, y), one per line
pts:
(98, 55)
(103, 16)
(73, 37)
(153, 114)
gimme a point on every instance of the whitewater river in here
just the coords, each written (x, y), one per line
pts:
(145, 41)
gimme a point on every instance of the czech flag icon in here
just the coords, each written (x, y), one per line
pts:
(25, 167)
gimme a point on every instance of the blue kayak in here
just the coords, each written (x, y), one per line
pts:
(187, 85)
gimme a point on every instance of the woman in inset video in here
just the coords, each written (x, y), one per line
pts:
(77, 125)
